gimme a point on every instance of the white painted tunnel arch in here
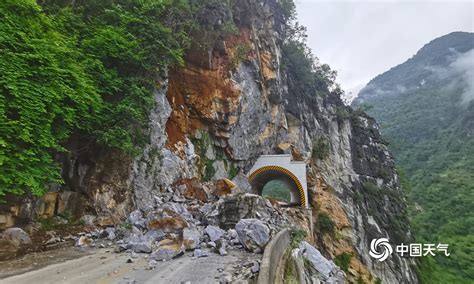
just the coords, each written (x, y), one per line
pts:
(295, 170)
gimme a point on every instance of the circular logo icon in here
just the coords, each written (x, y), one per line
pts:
(380, 249)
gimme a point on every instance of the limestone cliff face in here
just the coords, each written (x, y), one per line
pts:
(229, 104)
(226, 106)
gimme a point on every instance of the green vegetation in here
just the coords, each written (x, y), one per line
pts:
(359, 279)
(209, 170)
(343, 260)
(290, 276)
(430, 133)
(62, 221)
(206, 165)
(239, 56)
(232, 172)
(325, 224)
(306, 75)
(343, 113)
(321, 148)
(83, 72)
(297, 236)
(438, 157)
(277, 189)
(207, 35)
(78, 68)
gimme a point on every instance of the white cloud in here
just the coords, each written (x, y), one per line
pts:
(361, 39)
(464, 65)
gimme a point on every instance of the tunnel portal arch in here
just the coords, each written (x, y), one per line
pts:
(280, 167)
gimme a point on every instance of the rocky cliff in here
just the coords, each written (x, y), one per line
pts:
(425, 107)
(230, 103)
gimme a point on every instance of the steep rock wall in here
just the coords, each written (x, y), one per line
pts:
(216, 115)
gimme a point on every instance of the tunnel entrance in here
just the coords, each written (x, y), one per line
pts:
(278, 183)
(277, 189)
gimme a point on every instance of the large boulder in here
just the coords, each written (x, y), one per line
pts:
(167, 249)
(253, 234)
(167, 224)
(142, 243)
(153, 235)
(177, 209)
(229, 210)
(224, 187)
(193, 189)
(191, 238)
(328, 271)
(17, 236)
(242, 182)
(172, 217)
(214, 232)
(136, 219)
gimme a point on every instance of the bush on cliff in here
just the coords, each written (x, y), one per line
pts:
(84, 68)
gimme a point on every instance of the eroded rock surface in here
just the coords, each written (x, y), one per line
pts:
(253, 234)
(210, 121)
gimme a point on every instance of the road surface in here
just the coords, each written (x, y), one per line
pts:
(104, 266)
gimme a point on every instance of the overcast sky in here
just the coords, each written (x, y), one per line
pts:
(361, 39)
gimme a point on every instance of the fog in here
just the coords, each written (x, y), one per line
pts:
(361, 39)
(464, 65)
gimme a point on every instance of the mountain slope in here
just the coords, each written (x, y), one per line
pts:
(426, 110)
(243, 84)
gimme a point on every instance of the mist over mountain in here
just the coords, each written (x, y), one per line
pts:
(425, 108)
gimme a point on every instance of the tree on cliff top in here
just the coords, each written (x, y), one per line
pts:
(306, 75)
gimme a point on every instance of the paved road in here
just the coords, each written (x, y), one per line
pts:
(101, 266)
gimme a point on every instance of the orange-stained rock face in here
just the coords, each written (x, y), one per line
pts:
(266, 65)
(171, 243)
(194, 189)
(201, 93)
(167, 224)
(325, 200)
(223, 188)
(49, 204)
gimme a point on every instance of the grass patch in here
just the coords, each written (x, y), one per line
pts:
(343, 260)
(239, 55)
(209, 171)
(62, 221)
(297, 236)
(233, 171)
(320, 149)
(290, 276)
(325, 224)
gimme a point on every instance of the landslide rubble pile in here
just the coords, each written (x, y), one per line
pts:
(178, 226)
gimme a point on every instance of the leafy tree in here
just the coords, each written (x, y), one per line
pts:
(45, 93)
(85, 68)
(306, 75)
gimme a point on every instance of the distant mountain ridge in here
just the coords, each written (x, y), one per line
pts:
(425, 107)
(440, 52)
